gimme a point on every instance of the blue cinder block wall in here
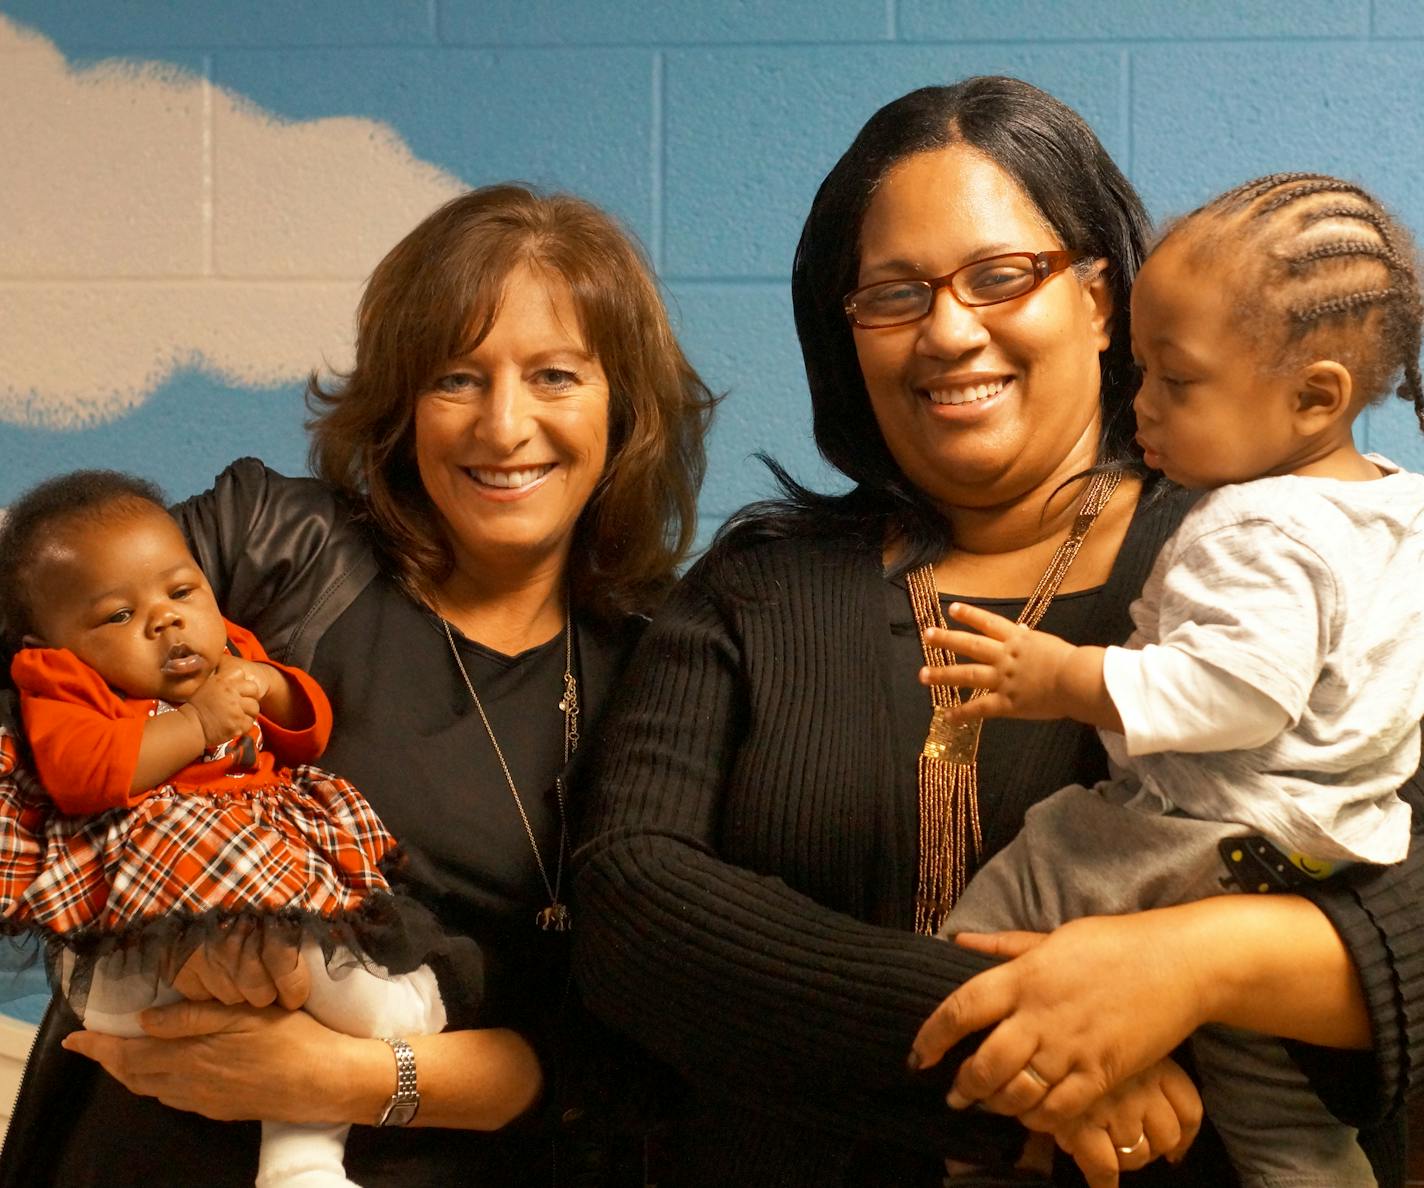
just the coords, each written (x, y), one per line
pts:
(705, 125)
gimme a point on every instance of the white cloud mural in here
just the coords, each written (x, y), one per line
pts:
(150, 221)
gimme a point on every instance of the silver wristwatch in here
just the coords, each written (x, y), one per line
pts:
(405, 1101)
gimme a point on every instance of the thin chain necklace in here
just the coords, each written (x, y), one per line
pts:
(555, 917)
(950, 838)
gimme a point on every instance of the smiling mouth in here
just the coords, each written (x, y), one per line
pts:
(508, 480)
(965, 393)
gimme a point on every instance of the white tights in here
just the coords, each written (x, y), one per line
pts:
(346, 995)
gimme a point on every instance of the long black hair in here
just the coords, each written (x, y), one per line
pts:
(1049, 150)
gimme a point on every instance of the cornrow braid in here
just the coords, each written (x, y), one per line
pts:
(1249, 191)
(1324, 185)
(1413, 389)
(1331, 306)
(1353, 292)
(1343, 247)
(1345, 212)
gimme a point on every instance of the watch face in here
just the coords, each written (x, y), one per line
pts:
(399, 1113)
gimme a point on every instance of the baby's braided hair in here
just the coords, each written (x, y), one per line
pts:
(1323, 257)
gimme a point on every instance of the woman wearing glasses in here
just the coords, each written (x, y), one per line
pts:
(781, 820)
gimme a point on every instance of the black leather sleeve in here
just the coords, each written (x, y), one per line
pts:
(53, 1085)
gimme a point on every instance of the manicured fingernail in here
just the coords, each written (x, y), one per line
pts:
(956, 1100)
(912, 1061)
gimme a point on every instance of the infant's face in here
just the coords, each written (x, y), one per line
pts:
(1209, 411)
(124, 595)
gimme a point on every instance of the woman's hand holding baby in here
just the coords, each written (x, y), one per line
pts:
(232, 1063)
(1096, 1002)
(1153, 1115)
(251, 965)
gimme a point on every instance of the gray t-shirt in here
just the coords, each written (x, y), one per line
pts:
(1287, 614)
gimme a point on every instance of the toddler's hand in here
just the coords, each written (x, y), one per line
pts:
(1017, 668)
(227, 703)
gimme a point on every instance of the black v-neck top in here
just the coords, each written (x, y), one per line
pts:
(416, 728)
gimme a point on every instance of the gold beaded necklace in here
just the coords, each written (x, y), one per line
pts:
(949, 763)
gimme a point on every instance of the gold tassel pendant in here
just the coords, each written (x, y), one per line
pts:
(950, 837)
(952, 742)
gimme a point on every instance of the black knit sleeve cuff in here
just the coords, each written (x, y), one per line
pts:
(1376, 914)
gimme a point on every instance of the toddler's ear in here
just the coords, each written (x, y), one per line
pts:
(1325, 393)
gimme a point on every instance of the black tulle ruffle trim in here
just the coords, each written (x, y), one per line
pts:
(389, 932)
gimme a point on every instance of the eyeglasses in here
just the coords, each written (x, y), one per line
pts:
(982, 282)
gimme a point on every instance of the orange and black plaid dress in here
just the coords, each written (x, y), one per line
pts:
(236, 833)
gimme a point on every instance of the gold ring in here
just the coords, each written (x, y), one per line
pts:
(1033, 1074)
(1132, 1150)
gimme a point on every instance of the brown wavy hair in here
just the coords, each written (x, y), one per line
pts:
(433, 299)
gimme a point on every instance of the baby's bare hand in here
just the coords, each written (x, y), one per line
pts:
(264, 674)
(228, 701)
(1015, 669)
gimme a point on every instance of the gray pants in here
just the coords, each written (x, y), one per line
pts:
(1082, 854)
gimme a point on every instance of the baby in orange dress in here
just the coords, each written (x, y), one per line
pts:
(169, 814)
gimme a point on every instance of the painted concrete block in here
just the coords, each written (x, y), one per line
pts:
(124, 26)
(579, 121)
(675, 22)
(1207, 117)
(742, 340)
(1108, 20)
(276, 211)
(180, 438)
(751, 133)
(1392, 429)
(1398, 18)
(124, 339)
(104, 167)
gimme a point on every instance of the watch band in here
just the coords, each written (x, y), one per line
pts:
(405, 1101)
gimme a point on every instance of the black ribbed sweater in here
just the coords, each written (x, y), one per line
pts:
(746, 893)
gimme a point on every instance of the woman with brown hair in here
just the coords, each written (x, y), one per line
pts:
(507, 479)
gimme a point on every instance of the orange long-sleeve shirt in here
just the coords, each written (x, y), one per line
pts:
(85, 737)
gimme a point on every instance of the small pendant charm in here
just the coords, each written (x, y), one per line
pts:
(953, 742)
(569, 702)
(554, 918)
